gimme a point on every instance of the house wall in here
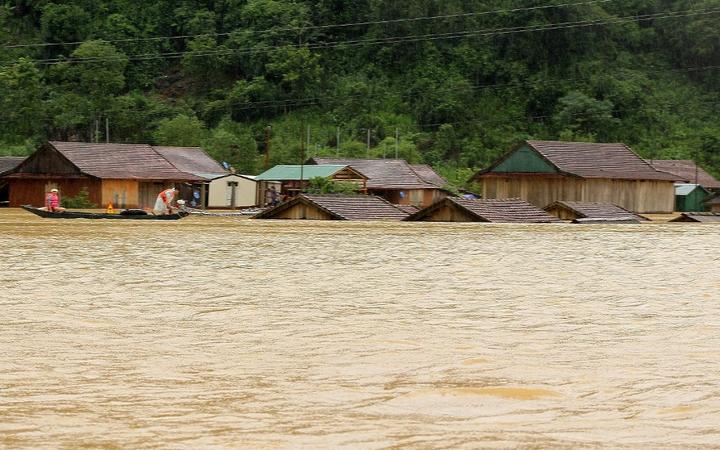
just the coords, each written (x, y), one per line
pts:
(641, 196)
(302, 211)
(121, 193)
(417, 197)
(715, 208)
(693, 202)
(562, 213)
(31, 191)
(219, 193)
(449, 213)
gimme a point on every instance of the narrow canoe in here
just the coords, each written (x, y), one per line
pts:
(89, 215)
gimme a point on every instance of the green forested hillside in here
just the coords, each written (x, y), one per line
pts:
(458, 81)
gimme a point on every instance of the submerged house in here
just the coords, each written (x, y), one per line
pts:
(395, 180)
(713, 204)
(7, 163)
(334, 207)
(688, 172)
(126, 175)
(690, 197)
(543, 172)
(219, 187)
(592, 211)
(455, 209)
(293, 179)
(702, 217)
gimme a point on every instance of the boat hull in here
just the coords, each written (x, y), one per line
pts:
(89, 215)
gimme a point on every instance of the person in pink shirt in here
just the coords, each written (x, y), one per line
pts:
(52, 201)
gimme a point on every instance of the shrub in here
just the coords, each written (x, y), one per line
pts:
(82, 200)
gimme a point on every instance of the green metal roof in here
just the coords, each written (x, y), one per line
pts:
(291, 173)
(685, 189)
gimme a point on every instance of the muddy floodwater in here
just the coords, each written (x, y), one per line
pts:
(232, 333)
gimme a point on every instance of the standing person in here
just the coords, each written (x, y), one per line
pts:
(271, 196)
(163, 204)
(52, 201)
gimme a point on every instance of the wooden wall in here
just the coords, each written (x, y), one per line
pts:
(31, 191)
(562, 213)
(301, 211)
(417, 197)
(639, 196)
(121, 193)
(449, 213)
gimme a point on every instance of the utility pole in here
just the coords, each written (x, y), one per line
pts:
(397, 141)
(367, 153)
(337, 142)
(267, 147)
(308, 138)
(302, 158)
(107, 130)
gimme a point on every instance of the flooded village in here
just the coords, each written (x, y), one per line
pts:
(359, 225)
(535, 182)
(403, 315)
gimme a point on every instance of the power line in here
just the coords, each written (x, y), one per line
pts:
(321, 27)
(393, 39)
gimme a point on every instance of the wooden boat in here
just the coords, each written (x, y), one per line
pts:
(88, 215)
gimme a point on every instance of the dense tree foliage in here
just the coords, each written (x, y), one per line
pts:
(458, 81)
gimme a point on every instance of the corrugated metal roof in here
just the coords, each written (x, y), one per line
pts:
(358, 207)
(710, 217)
(596, 210)
(687, 170)
(687, 188)
(428, 174)
(598, 160)
(511, 210)
(383, 173)
(10, 162)
(191, 160)
(121, 161)
(292, 172)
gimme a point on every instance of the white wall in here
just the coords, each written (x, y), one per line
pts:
(219, 192)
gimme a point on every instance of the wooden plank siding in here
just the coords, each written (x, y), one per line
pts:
(121, 193)
(303, 211)
(642, 196)
(31, 191)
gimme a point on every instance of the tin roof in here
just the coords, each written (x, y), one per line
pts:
(709, 217)
(511, 210)
(592, 160)
(687, 188)
(428, 174)
(10, 162)
(687, 170)
(598, 160)
(595, 210)
(383, 173)
(293, 172)
(191, 160)
(357, 207)
(121, 161)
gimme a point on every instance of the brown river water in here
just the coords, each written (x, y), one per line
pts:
(231, 333)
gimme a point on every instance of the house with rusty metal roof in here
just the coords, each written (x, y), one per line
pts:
(543, 172)
(456, 209)
(395, 180)
(688, 172)
(7, 163)
(335, 207)
(702, 217)
(585, 212)
(126, 175)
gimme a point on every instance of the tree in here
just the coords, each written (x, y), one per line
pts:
(235, 145)
(581, 117)
(181, 131)
(21, 104)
